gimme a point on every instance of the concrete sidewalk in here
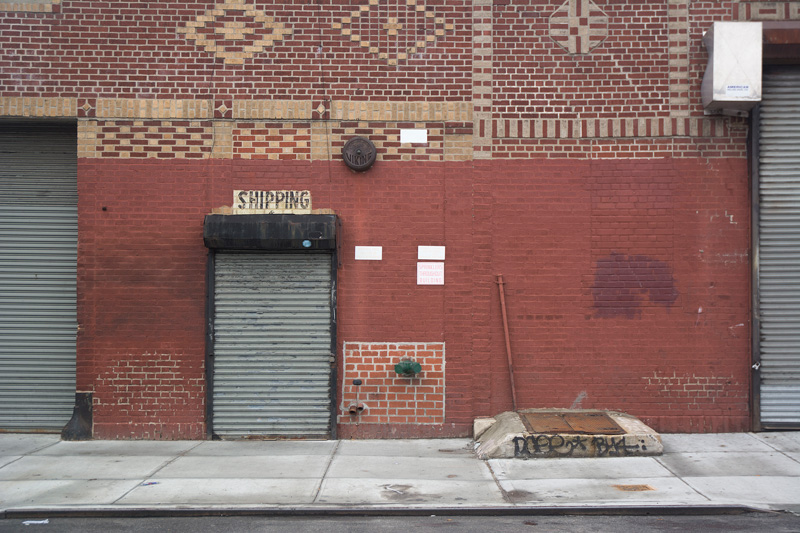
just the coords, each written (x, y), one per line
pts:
(41, 475)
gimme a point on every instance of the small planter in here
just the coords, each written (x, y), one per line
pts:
(408, 368)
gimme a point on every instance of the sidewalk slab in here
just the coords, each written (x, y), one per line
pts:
(33, 467)
(408, 448)
(222, 491)
(730, 464)
(775, 491)
(420, 468)
(784, 441)
(75, 493)
(23, 443)
(114, 448)
(410, 491)
(713, 442)
(222, 448)
(602, 491)
(245, 467)
(579, 468)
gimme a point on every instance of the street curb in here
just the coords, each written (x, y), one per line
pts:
(78, 512)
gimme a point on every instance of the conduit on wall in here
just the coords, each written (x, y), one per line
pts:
(500, 285)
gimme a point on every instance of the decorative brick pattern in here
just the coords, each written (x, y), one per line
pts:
(265, 140)
(149, 109)
(402, 111)
(579, 26)
(394, 31)
(147, 138)
(482, 78)
(679, 57)
(533, 77)
(272, 109)
(234, 31)
(38, 107)
(387, 397)
(610, 128)
(34, 6)
(620, 138)
(754, 10)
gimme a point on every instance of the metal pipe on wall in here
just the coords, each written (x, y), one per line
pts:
(500, 285)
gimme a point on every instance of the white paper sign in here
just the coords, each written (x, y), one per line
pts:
(430, 253)
(414, 136)
(369, 253)
(430, 273)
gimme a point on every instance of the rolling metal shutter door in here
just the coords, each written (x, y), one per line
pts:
(38, 272)
(272, 345)
(779, 248)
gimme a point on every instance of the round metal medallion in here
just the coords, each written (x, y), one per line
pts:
(359, 153)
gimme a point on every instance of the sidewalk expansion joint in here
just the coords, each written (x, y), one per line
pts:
(331, 457)
(503, 492)
(156, 470)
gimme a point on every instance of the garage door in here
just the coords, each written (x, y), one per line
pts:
(38, 258)
(272, 345)
(779, 249)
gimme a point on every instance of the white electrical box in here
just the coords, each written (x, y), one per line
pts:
(732, 81)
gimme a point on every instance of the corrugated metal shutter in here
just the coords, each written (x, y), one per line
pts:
(272, 345)
(38, 272)
(779, 248)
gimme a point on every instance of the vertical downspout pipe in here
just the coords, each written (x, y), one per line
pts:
(500, 285)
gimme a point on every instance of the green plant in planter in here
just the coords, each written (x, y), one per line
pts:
(408, 368)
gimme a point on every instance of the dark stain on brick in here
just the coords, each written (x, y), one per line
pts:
(623, 284)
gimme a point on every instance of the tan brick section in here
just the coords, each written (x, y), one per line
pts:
(611, 128)
(388, 397)
(402, 111)
(149, 109)
(38, 107)
(36, 6)
(286, 129)
(146, 138)
(767, 10)
(679, 57)
(482, 80)
(272, 109)
(268, 140)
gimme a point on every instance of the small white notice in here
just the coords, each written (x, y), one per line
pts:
(417, 136)
(737, 91)
(430, 253)
(430, 273)
(369, 253)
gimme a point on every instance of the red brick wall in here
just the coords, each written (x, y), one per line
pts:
(619, 274)
(626, 284)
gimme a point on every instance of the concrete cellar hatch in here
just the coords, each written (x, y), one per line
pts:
(571, 423)
(561, 433)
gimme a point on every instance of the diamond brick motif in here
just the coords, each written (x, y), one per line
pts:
(579, 26)
(394, 31)
(234, 31)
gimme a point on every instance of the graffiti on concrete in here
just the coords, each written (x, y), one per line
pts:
(567, 446)
(548, 445)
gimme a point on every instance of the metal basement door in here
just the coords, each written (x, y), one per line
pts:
(38, 274)
(272, 345)
(779, 249)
